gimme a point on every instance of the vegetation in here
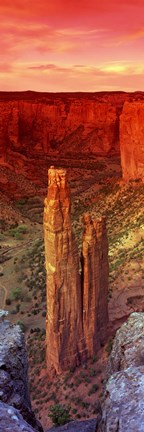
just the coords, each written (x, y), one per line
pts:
(59, 414)
(18, 231)
(22, 325)
(17, 293)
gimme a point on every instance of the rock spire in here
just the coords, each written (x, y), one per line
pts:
(64, 303)
(94, 281)
(76, 303)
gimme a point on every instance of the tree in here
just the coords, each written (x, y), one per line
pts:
(60, 414)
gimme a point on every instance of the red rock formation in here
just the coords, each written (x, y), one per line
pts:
(102, 242)
(95, 282)
(64, 335)
(76, 307)
(132, 140)
(39, 125)
(34, 125)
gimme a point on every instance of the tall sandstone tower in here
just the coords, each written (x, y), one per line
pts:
(95, 270)
(77, 312)
(64, 335)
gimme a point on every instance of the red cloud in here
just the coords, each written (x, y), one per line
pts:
(44, 38)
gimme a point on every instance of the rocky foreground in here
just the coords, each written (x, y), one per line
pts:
(123, 407)
(14, 390)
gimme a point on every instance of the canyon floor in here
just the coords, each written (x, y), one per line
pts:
(96, 186)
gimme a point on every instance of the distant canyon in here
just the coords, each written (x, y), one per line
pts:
(39, 125)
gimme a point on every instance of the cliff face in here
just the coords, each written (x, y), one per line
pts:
(76, 306)
(95, 281)
(36, 125)
(30, 128)
(132, 140)
(14, 378)
(123, 408)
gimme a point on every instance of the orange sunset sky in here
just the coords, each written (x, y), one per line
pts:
(72, 45)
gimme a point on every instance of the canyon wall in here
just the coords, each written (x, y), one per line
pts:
(34, 126)
(39, 124)
(28, 128)
(77, 312)
(132, 140)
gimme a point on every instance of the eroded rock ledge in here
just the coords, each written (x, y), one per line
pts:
(123, 409)
(12, 421)
(14, 390)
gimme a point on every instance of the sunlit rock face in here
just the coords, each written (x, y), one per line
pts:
(102, 242)
(76, 303)
(95, 271)
(36, 125)
(132, 140)
(68, 125)
(64, 336)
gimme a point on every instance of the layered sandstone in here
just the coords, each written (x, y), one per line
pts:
(33, 125)
(102, 244)
(64, 335)
(76, 305)
(95, 271)
(29, 128)
(132, 140)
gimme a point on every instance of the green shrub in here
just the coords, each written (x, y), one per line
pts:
(93, 389)
(18, 307)
(8, 301)
(94, 358)
(21, 202)
(17, 231)
(22, 229)
(17, 235)
(17, 293)
(92, 372)
(60, 414)
(21, 324)
(44, 314)
(109, 346)
(2, 224)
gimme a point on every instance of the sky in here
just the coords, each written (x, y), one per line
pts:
(71, 45)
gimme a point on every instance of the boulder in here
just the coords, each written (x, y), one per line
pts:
(12, 421)
(77, 426)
